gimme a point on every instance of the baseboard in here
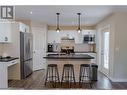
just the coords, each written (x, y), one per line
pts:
(118, 80)
(113, 79)
(38, 70)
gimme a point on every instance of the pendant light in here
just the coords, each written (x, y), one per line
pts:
(58, 28)
(79, 27)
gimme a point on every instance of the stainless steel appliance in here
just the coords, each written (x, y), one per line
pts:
(26, 56)
(50, 47)
(89, 39)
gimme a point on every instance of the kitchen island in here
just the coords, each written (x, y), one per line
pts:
(75, 59)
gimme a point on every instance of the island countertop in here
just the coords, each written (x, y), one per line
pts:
(70, 56)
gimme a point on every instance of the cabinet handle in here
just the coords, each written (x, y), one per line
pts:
(6, 38)
(13, 61)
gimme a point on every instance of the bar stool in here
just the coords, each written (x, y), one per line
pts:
(68, 74)
(85, 75)
(52, 74)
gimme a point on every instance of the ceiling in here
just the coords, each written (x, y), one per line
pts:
(68, 14)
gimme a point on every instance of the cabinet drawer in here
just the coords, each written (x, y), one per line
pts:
(12, 62)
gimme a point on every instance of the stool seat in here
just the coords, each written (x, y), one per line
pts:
(52, 65)
(85, 65)
(68, 65)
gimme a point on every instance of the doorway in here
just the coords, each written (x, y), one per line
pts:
(105, 33)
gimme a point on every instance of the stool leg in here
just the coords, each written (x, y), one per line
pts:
(73, 75)
(68, 78)
(62, 77)
(46, 75)
(90, 77)
(80, 76)
(57, 75)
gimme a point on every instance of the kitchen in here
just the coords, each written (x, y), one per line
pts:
(68, 40)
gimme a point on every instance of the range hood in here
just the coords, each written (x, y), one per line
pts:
(67, 38)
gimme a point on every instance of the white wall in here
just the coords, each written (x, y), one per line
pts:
(120, 54)
(118, 46)
(53, 35)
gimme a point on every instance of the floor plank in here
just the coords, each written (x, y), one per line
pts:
(36, 81)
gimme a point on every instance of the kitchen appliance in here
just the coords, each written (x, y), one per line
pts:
(26, 56)
(7, 58)
(90, 39)
(50, 47)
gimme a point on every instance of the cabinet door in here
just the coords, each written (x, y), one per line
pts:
(7, 36)
(2, 34)
(5, 32)
(88, 32)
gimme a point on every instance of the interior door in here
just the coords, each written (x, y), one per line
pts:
(105, 51)
(39, 50)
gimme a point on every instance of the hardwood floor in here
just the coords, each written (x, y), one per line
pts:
(36, 81)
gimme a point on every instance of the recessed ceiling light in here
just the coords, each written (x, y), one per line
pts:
(31, 12)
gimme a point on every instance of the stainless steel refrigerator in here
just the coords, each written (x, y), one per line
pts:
(26, 56)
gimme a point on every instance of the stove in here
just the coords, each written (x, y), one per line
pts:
(7, 59)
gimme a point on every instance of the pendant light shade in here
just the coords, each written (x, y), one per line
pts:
(58, 28)
(79, 27)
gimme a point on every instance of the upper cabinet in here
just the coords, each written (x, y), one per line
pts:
(88, 32)
(23, 27)
(5, 32)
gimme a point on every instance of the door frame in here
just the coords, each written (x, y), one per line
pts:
(100, 49)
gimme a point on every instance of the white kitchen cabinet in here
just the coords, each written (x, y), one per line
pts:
(23, 27)
(5, 32)
(88, 32)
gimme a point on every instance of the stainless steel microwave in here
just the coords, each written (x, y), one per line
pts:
(89, 39)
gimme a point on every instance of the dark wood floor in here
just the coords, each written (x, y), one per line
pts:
(36, 81)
